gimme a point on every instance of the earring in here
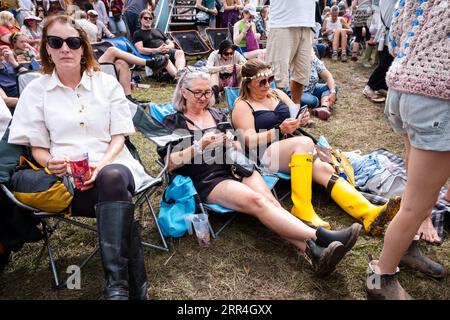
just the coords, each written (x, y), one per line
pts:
(83, 60)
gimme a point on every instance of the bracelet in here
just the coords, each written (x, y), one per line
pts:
(197, 148)
(46, 165)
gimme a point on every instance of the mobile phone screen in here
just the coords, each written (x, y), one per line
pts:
(301, 111)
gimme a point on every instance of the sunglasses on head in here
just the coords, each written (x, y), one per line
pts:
(263, 82)
(57, 42)
(147, 18)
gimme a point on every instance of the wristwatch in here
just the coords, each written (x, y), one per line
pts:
(198, 149)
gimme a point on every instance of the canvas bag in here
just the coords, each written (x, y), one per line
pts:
(251, 42)
(177, 202)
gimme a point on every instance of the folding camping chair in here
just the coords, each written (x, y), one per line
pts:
(190, 42)
(216, 36)
(159, 113)
(124, 44)
(151, 129)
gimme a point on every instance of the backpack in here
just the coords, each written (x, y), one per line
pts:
(38, 188)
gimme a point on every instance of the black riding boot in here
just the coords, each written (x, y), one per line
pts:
(136, 266)
(114, 222)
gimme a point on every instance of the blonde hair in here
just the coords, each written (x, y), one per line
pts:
(5, 19)
(185, 81)
(88, 54)
(248, 72)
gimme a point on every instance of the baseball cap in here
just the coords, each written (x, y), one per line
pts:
(250, 9)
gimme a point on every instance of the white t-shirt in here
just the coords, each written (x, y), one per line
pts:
(215, 59)
(292, 13)
(65, 121)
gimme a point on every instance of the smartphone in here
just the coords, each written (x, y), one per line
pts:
(301, 111)
(224, 126)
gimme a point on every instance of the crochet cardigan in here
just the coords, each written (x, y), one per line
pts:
(420, 41)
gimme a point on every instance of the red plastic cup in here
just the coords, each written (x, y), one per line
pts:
(79, 167)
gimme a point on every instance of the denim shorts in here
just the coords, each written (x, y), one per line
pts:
(426, 120)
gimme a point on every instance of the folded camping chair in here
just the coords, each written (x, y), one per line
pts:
(159, 113)
(100, 48)
(231, 94)
(190, 42)
(216, 36)
(143, 123)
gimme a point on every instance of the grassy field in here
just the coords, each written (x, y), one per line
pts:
(247, 261)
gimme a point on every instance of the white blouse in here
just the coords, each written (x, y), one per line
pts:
(66, 121)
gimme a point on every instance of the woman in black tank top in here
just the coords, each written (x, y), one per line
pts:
(215, 183)
(262, 115)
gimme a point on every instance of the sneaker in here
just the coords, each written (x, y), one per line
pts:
(157, 63)
(372, 95)
(381, 92)
(367, 64)
(344, 57)
(334, 56)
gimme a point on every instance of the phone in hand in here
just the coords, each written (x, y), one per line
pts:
(224, 126)
(301, 111)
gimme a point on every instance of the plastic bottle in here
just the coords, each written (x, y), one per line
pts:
(342, 173)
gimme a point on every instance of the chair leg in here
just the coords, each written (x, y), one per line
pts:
(56, 284)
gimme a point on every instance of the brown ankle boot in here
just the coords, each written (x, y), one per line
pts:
(384, 286)
(416, 260)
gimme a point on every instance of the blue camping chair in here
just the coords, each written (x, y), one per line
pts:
(159, 112)
(231, 94)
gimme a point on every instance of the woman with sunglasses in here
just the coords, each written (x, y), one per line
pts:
(201, 158)
(262, 115)
(74, 108)
(222, 64)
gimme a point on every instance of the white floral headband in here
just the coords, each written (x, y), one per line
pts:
(260, 75)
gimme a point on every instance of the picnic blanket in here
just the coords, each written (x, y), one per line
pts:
(440, 212)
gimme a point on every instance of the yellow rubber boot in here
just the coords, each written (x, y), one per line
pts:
(301, 190)
(355, 204)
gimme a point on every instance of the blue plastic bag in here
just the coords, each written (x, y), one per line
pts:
(177, 202)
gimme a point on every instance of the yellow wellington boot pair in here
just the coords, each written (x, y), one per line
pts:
(301, 190)
(355, 204)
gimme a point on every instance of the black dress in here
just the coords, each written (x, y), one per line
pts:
(205, 172)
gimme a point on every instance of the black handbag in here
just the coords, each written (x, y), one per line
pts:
(241, 166)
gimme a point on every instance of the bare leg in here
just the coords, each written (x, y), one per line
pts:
(180, 60)
(407, 150)
(215, 79)
(112, 54)
(256, 204)
(296, 91)
(336, 37)
(171, 69)
(124, 75)
(421, 193)
(343, 41)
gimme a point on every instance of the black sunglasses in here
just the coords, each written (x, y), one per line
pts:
(228, 53)
(57, 42)
(200, 94)
(147, 18)
(263, 82)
